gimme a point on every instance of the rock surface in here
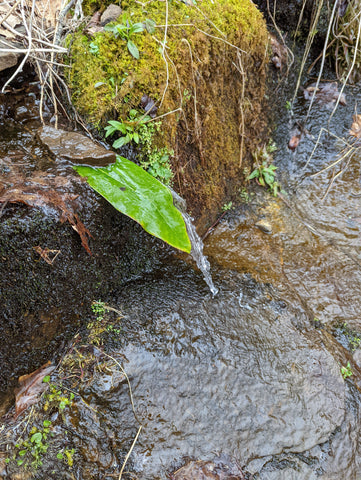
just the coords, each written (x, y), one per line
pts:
(75, 147)
(110, 14)
(239, 374)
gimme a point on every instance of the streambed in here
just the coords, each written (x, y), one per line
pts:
(252, 375)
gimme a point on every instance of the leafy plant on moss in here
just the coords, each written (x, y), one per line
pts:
(153, 159)
(227, 206)
(126, 31)
(93, 48)
(265, 172)
(129, 128)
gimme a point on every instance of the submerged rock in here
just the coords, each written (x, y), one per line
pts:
(211, 375)
(75, 146)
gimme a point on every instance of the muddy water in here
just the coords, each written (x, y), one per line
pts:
(253, 374)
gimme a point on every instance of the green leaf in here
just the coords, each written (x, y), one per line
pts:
(59, 456)
(47, 423)
(136, 28)
(133, 50)
(22, 453)
(36, 438)
(46, 379)
(120, 142)
(137, 194)
(136, 137)
(117, 125)
(150, 25)
(254, 174)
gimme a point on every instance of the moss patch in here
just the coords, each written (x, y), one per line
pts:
(211, 74)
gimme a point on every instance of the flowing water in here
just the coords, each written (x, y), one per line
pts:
(252, 375)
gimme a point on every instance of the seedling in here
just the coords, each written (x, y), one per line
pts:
(346, 371)
(265, 172)
(128, 128)
(126, 30)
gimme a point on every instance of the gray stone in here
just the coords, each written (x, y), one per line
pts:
(8, 60)
(110, 14)
(75, 147)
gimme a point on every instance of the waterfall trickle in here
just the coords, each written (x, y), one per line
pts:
(196, 242)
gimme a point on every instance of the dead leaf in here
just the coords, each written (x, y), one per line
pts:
(326, 94)
(355, 130)
(279, 52)
(44, 191)
(31, 388)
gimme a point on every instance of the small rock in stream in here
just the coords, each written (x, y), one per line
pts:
(75, 146)
(264, 226)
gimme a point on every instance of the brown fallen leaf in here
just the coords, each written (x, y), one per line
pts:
(326, 94)
(355, 130)
(45, 192)
(279, 52)
(31, 388)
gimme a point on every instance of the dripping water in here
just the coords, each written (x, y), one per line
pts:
(196, 242)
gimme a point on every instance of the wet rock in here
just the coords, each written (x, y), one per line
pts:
(110, 14)
(75, 147)
(211, 375)
(264, 226)
(8, 60)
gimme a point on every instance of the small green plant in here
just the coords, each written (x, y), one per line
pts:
(114, 330)
(153, 159)
(128, 128)
(186, 95)
(227, 206)
(67, 455)
(288, 105)
(265, 172)
(57, 398)
(34, 447)
(346, 371)
(245, 197)
(126, 31)
(93, 48)
(98, 307)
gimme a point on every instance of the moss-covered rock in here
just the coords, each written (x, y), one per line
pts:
(205, 63)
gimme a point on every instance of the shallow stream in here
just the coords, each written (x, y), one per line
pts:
(251, 376)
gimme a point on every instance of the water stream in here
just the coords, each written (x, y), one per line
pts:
(251, 375)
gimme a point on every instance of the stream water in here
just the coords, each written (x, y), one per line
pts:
(249, 379)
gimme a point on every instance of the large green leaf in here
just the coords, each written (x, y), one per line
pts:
(134, 192)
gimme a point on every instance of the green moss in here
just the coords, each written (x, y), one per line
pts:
(90, 6)
(198, 78)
